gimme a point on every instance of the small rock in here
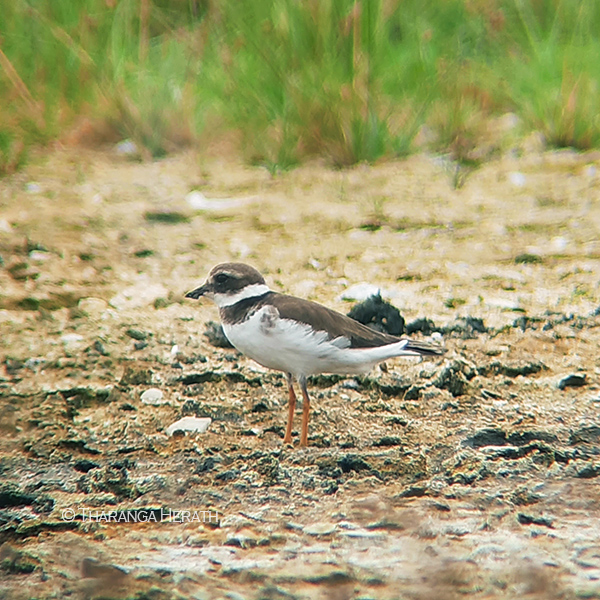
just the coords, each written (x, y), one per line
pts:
(235, 596)
(92, 305)
(531, 520)
(100, 348)
(33, 188)
(560, 243)
(387, 441)
(33, 364)
(71, 339)
(136, 334)
(573, 380)
(192, 424)
(152, 396)
(318, 529)
(198, 201)
(39, 256)
(352, 384)
(517, 179)
(127, 148)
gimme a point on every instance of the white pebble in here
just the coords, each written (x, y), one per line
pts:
(198, 201)
(127, 148)
(33, 188)
(92, 305)
(194, 424)
(39, 256)
(320, 529)
(517, 179)
(152, 396)
(71, 338)
(560, 243)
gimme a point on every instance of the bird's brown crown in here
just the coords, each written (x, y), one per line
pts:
(228, 278)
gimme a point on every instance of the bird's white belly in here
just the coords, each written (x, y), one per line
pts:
(285, 345)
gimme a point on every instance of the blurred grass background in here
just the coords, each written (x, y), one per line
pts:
(285, 80)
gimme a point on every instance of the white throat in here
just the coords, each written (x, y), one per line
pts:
(250, 291)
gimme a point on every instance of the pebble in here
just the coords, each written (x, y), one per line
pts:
(517, 179)
(127, 148)
(234, 596)
(573, 380)
(34, 363)
(198, 201)
(71, 339)
(192, 424)
(559, 243)
(39, 256)
(153, 396)
(33, 188)
(136, 334)
(318, 529)
(363, 534)
(92, 305)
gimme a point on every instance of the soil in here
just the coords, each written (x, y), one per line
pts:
(475, 474)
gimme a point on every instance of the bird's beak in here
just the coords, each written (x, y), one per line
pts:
(199, 291)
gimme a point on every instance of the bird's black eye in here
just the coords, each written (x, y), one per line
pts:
(221, 278)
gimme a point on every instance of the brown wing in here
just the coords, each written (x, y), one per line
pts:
(324, 319)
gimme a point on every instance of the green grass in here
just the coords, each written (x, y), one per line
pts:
(346, 80)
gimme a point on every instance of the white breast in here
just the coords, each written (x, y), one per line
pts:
(293, 347)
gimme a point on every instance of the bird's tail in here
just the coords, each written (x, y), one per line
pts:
(416, 348)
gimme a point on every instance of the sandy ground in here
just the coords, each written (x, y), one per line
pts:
(472, 475)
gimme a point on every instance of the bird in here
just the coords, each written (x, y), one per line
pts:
(296, 336)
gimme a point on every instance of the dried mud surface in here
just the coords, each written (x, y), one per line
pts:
(475, 475)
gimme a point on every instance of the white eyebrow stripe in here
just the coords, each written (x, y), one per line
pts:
(250, 291)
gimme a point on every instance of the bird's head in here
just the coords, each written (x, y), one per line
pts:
(228, 283)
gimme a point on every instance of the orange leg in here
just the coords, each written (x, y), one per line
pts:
(291, 408)
(305, 412)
